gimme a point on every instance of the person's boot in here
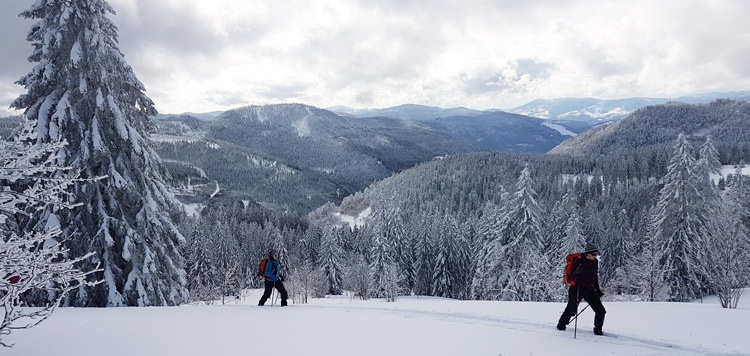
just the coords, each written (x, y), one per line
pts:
(560, 326)
(283, 303)
(598, 331)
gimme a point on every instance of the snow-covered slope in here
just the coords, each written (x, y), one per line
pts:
(342, 326)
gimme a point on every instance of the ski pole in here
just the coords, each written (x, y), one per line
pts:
(578, 299)
(579, 313)
(273, 294)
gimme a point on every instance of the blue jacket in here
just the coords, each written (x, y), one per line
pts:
(272, 272)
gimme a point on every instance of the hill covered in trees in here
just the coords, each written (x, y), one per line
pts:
(297, 157)
(514, 217)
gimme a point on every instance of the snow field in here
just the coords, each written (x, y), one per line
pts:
(339, 325)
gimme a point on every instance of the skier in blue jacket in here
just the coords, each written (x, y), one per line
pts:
(270, 270)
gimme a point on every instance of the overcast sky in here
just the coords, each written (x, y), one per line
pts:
(199, 55)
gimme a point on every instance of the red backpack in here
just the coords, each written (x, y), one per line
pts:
(569, 267)
(262, 267)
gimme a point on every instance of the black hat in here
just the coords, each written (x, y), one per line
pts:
(590, 248)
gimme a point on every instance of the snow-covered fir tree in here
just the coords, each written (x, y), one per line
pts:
(452, 274)
(82, 90)
(617, 252)
(709, 157)
(679, 224)
(520, 234)
(201, 272)
(424, 263)
(329, 260)
(394, 230)
(382, 268)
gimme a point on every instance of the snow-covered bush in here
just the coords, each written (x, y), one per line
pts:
(32, 260)
(307, 282)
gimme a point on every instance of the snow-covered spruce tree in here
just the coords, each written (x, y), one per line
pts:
(382, 270)
(483, 281)
(679, 224)
(618, 253)
(709, 157)
(329, 260)
(32, 261)
(521, 229)
(566, 236)
(82, 91)
(201, 272)
(226, 257)
(424, 262)
(452, 275)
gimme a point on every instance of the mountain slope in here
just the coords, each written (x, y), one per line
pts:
(727, 121)
(298, 157)
(290, 156)
(407, 112)
(501, 132)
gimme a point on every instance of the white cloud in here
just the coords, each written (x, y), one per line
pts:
(196, 55)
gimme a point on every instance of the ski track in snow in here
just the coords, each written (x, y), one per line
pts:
(660, 346)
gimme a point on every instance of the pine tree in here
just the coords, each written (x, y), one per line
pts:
(83, 91)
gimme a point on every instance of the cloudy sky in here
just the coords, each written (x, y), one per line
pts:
(198, 55)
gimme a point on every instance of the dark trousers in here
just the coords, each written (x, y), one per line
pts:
(269, 288)
(590, 296)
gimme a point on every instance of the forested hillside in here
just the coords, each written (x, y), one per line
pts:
(654, 127)
(501, 224)
(296, 157)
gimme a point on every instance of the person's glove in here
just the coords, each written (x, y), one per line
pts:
(599, 293)
(283, 278)
(578, 270)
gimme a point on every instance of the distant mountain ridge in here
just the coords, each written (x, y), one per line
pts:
(407, 112)
(297, 157)
(590, 111)
(597, 111)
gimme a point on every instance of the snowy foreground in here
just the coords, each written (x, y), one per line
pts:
(410, 326)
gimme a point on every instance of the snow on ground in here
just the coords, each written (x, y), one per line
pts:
(428, 326)
(355, 221)
(727, 170)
